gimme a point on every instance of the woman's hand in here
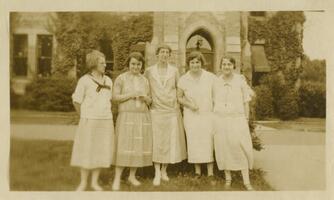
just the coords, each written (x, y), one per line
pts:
(145, 98)
(193, 107)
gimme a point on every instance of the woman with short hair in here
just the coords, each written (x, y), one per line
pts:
(168, 134)
(94, 139)
(232, 139)
(195, 93)
(133, 125)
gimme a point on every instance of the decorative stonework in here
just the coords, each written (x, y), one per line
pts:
(220, 29)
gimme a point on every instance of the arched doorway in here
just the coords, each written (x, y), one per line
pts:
(201, 40)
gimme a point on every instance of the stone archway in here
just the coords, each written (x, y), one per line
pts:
(211, 33)
(201, 40)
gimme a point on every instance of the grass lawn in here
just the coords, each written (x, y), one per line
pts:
(38, 117)
(44, 117)
(44, 166)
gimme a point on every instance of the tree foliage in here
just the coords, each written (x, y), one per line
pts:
(283, 34)
(79, 32)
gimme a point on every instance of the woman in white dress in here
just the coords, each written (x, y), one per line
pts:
(232, 139)
(94, 139)
(195, 93)
(168, 133)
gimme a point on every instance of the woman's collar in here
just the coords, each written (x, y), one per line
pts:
(156, 76)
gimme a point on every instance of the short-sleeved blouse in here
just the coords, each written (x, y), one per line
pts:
(231, 95)
(199, 91)
(93, 104)
(163, 89)
(127, 83)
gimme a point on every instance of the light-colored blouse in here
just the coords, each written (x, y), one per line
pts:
(199, 91)
(163, 88)
(231, 95)
(93, 104)
(127, 83)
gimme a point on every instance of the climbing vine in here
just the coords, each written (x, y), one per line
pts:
(79, 32)
(283, 41)
(283, 34)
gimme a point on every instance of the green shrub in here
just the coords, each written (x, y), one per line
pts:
(50, 94)
(313, 70)
(263, 102)
(256, 141)
(312, 97)
(288, 107)
(14, 99)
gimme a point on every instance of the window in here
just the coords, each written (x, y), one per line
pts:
(259, 63)
(20, 54)
(106, 49)
(44, 54)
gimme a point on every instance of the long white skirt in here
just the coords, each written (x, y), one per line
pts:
(233, 143)
(93, 144)
(199, 132)
(169, 144)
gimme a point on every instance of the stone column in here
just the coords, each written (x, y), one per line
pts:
(32, 55)
(171, 34)
(233, 46)
(245, 47)
(158, 26)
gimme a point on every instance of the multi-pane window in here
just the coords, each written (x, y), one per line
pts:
(106, 49)
(20, 54)
(44, 54)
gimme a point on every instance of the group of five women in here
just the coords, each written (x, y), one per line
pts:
(150, 128)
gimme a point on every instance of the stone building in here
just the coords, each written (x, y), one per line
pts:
(213, 33)
(32, 47)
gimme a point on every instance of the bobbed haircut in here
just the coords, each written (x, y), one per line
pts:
(232, 60)
(195, 54)
(163, 46)
(92, 59)
(136, 55)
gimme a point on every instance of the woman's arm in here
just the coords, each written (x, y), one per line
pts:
(117, 95)
(76, 107)
(184, 101)
(146, 98)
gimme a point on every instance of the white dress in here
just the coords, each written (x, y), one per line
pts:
(199, 124)
(94, 140)
(169, 144)
(232, 139)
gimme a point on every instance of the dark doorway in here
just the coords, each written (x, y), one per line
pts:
(201, 41)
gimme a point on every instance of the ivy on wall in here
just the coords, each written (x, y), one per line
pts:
(283, 34)
(283, 41)
(79, 32)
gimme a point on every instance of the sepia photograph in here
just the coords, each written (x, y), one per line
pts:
(112, 99)
(167, 101)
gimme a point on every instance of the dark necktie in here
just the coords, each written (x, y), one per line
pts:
(100, 86)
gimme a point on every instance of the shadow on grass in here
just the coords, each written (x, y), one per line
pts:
(44, 166)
